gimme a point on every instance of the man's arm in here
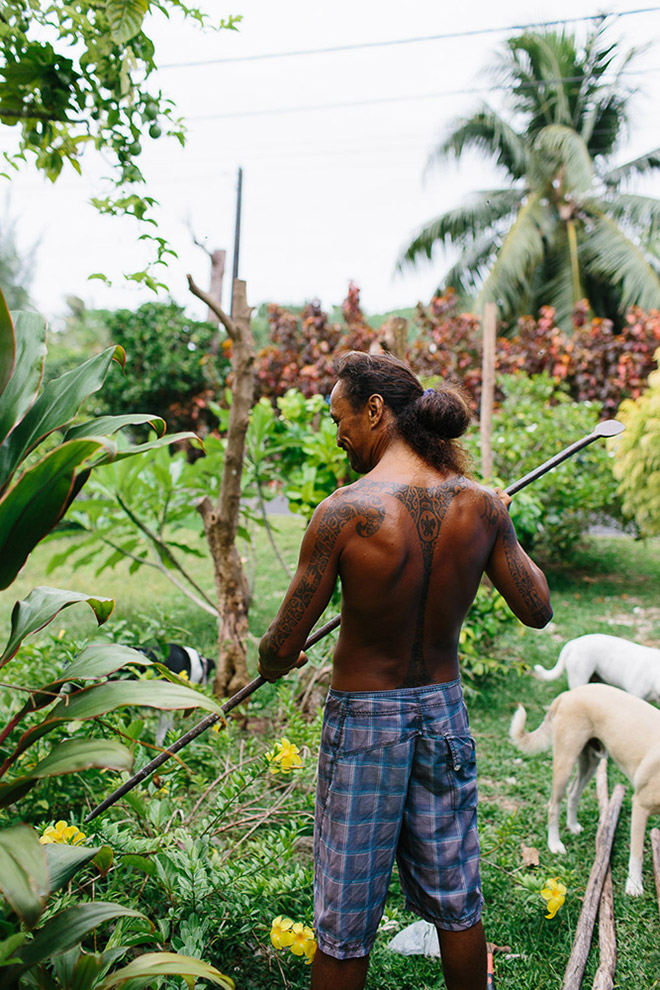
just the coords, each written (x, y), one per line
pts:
(308, 594)
(514, 573)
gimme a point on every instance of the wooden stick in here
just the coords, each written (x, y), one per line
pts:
(604, 978)
(655, 847)
(585, 926)
(489, 332)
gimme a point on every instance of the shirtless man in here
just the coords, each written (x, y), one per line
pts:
(397, 774)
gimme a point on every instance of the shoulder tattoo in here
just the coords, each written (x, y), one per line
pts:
(369, 511)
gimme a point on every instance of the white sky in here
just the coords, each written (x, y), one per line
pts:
(329, 193)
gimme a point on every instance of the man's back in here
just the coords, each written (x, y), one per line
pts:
(411, 555)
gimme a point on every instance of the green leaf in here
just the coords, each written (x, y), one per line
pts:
(38, 500)
(23, 872)
(104, 860)
(99, 699)
(40, 607)
(153, 964)
(7, 345)
(68, 927)
(73, 755)
(106, 425)
(16, 789)
(64, 861)
(56, 406)
(139, 863)
(9, 945)
(125, 18)
(23, 386)
(101, 659)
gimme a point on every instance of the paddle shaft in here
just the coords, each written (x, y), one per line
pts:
(315, 637)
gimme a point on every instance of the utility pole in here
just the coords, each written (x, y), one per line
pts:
(237, 235)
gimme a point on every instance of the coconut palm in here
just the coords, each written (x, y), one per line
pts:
(563, 228)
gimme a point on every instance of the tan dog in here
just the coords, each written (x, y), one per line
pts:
(629, 730)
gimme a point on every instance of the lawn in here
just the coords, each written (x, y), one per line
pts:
(260, 845)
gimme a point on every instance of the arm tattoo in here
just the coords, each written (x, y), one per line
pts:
(369, 512)
(495, 514)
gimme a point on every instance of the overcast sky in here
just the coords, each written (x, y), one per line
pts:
(333, 148)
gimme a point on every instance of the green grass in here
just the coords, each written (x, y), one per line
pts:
(611, 587)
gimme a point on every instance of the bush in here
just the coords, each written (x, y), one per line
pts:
(535, 421)
(637, 451)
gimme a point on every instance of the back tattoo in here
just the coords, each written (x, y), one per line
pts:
(364, 505)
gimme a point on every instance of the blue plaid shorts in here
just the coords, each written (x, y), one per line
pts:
(397, 777)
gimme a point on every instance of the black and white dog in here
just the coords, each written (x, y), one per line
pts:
(180, 660)
(184, 660)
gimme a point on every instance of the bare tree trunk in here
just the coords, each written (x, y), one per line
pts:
(489, 328)
(221, 519)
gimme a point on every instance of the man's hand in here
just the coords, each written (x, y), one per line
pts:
(269, 674)
(501, 494)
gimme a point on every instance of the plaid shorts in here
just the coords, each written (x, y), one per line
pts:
(397, 777)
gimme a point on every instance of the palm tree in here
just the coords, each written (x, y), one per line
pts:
(563, 228)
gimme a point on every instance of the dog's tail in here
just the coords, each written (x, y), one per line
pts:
(551, 675)
(530, 742)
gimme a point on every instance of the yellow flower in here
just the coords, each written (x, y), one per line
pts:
(284, 758)
(554, 893)
(280, 933)
(310, 946)
(302, 935)
(61, 832)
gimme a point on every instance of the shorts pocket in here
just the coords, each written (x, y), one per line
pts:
(462, 772)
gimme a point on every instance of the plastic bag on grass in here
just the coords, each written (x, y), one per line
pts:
(418, 939)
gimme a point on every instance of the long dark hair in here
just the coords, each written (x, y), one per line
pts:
(430, 421)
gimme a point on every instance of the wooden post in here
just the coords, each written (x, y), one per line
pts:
(487, 388)
(604, 978)
(585, 926)
(655, 846)
(218, 258)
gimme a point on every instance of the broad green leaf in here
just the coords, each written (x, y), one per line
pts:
(123, 452)
(7, 345)
(38, 500)
(73, 755)
(64, 861)
(104, 860)
(139, 863)
(56, 406)
(97, 700)
(106, 425)
(9, 946)
(23, 872)
(40, 607)
(67, 928)
(125, 18)
(101, 659)
(16, 789)
(153, 964)
(23, 386)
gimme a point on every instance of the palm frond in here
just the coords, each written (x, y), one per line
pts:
(468, 274)
(559, 287)
(521, 251)
(637, 166)
(488, 133)
(482, 212)
(570, 151)
(608, 253)
(638, 214)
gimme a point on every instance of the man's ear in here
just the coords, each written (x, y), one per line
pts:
(375, 408)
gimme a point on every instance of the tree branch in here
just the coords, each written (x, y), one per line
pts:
(215, 307)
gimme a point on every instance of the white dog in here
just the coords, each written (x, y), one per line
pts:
(628, 728)
(634, 668)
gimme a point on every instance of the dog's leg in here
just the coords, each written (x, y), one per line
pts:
(640, 816)
(561, 772)
(587, 763)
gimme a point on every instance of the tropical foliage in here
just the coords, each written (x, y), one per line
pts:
(80, 75)
(565, 226)
(637, 463)
(36, 488)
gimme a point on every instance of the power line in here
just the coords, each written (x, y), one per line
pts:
(449, 35)
(380, 100)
